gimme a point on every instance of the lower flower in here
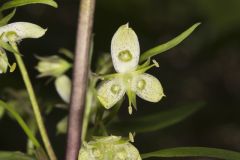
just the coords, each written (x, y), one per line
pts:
(109, 148)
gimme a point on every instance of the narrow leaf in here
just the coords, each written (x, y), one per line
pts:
(21, 122)
(157, 121)
(18, 3)
(7, 155)
(168, 45)
(7, 18)
(194, 152)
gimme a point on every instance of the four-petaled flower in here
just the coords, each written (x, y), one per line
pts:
(131, 78)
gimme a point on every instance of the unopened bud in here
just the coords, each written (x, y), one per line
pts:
(52, 66)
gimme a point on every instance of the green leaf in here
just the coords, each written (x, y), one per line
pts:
(7, 18)
(7, 155)
(21, 122)
(168, 45)
(18, 3)
(157, 121)
(194, 152)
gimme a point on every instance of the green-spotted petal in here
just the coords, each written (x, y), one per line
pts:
(147, 87)
(23, 30)
(125, 49)
(110, 92)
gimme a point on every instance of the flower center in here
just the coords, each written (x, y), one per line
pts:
(125, 56)
(141, 84)
(115, 89)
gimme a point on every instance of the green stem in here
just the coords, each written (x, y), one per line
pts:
(87, 111)
(89, 98)
(30, 144)
(34, 103)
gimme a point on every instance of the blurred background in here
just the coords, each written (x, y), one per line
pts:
(205, 67)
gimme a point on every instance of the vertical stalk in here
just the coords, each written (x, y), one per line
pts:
(35, 106)
(80, 78)
(87, 111)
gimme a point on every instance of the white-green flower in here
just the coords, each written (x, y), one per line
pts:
(109, 148)
(22, 30)
(15, 32)
(131, 78)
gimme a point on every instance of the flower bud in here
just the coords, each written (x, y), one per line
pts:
(111, 147)
(52, 66)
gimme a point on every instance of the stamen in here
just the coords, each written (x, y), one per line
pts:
(156, 63)
(131, 137)
(130, 110)
(13, 67)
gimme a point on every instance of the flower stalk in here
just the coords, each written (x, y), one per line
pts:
(80, 78)
(36, 108)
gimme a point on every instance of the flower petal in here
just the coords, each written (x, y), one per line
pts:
(63, 86)
(147, 87)
(125, 49)
(110, 92)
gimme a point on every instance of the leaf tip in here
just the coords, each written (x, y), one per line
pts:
(197, 24)
(55, 5)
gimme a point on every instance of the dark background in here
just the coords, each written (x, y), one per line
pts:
(205, 67)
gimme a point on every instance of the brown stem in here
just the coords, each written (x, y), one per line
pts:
(80, 77)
